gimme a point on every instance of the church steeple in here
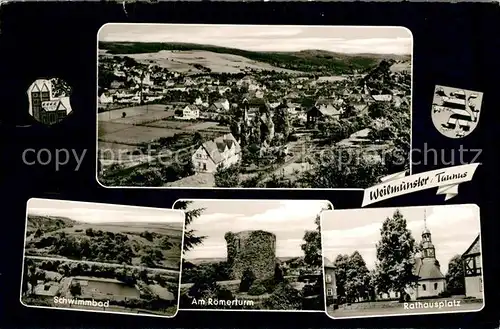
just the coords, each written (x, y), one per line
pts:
(428, 250)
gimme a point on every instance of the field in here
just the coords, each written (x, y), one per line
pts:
(137, 135)
(116, 115)
(401, 67)
(131, 130)
(187, 61)
(144, 125)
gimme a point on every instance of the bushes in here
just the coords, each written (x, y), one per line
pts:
(257, 290)
(444, 294)
(284, 297)
(247, 280)
(269, 284)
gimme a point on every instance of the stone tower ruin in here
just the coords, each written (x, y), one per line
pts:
(253, 250)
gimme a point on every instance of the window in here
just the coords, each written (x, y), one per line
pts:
(329, 292)
(328, 278)
(204, 166)
(435, 286)
(424, 288)
(480, 284)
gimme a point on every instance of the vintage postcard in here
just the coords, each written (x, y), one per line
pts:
(238, 106)
(102, 257)
(252, 255)
(402, 261)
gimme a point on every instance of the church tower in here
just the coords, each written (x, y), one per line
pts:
(428, 249)
(431, 281)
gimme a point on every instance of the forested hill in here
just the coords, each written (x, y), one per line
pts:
(46, 224)
(314, 61)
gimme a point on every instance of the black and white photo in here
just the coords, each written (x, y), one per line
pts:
(250, 106)
(102, 257)
(402, 261)
(252, 255)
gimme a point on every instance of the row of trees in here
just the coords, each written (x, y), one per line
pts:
(394, 270)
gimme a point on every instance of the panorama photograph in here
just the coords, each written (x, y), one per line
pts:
(102, 257)
(252, 106)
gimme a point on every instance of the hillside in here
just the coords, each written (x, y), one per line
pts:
(385, 76)
(201, 61)
(146, 244)
(305, 61)
(45, 224)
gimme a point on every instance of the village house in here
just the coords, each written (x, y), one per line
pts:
(223, 151)
(324, 109)
(473, 270)
(189, 112)
(189, 82)
(330, 283)
(249, 83)
(105, 99)
(115, 84)
(382, 98)
(221, 105)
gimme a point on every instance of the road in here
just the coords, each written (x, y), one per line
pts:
(220, 283)
(341, 313)
(298, 149)
(105, 264)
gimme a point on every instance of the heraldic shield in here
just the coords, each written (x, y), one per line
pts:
(455, 111)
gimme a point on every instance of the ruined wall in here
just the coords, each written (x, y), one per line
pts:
(254, 250)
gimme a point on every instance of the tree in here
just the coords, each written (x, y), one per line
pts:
(190, 238)
(312, 243)
(247, 280)
(341, 267)
(197, 139)
(278, 274)
(165, 243)
(347, 169)
(395, 256)
(357, 278)
(75, 289)
(455, 278)
(227, 177)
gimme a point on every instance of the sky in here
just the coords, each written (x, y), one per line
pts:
(453, 230)
(343, 39)
(288, 220)
(102, 213)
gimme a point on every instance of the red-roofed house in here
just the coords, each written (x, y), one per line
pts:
(223, 151)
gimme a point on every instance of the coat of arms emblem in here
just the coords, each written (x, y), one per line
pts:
(455, 112)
